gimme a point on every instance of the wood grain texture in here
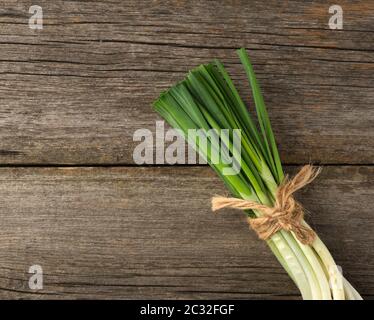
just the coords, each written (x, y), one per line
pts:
(149, 233)
(76, 91)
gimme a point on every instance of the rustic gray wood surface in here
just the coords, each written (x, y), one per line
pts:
(149, 233)
(73, 94)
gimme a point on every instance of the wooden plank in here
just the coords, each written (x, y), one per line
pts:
(76, 91)
(149, 233)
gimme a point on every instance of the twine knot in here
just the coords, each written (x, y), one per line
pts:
(286, 213)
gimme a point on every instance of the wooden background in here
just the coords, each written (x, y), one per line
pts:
(73, 94)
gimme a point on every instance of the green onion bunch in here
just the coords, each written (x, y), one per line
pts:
(207, 99)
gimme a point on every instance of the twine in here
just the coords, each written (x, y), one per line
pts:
(286, 213)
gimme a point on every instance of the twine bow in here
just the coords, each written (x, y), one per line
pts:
(286, 213)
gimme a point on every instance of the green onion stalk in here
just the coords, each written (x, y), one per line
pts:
(206, 102)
